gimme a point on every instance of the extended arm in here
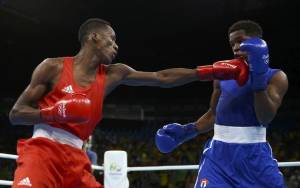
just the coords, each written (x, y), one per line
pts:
(164, 78)
(222, 70)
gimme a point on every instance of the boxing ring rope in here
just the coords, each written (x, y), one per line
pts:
(145, 168)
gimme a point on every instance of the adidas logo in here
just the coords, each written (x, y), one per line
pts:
(25, 181)
(68, 89)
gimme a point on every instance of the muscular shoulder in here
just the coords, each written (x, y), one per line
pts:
(279, 78)
(48, 70)
(119, 68)
(279, 82)
(52, 64)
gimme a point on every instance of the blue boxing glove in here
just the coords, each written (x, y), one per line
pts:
(174, 134)
(258, 59)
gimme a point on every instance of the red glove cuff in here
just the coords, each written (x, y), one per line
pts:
(205, 73)
(47, 115)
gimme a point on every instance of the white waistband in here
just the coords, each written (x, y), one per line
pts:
(230, 134)
(57, 134)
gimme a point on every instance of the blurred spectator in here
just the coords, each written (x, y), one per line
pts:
(87, 147)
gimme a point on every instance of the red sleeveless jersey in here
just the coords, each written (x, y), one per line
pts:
(65, 85)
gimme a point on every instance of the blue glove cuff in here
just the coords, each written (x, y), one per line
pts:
(191, 131)
(259, 82)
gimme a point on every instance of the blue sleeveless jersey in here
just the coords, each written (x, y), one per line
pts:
(236, 104)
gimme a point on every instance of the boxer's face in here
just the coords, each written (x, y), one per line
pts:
(235, 39)
(105, 43)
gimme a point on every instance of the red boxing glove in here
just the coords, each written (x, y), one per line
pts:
(236, 69)
(73, 108)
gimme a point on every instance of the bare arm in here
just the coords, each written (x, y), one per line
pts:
(164, 78)
(206, 122)
(267, 102)
(25, 111)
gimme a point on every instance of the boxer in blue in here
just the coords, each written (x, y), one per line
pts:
(238, 155)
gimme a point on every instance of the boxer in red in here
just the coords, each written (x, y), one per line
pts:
(64, 103)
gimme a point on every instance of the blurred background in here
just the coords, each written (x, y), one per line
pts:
(151, 35)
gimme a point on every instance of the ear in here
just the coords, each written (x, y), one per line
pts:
(94, 36)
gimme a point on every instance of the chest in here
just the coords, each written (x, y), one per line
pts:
(231, 89)
(83, 79)
(77, 78)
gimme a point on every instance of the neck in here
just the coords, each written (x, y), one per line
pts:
(87, 60)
